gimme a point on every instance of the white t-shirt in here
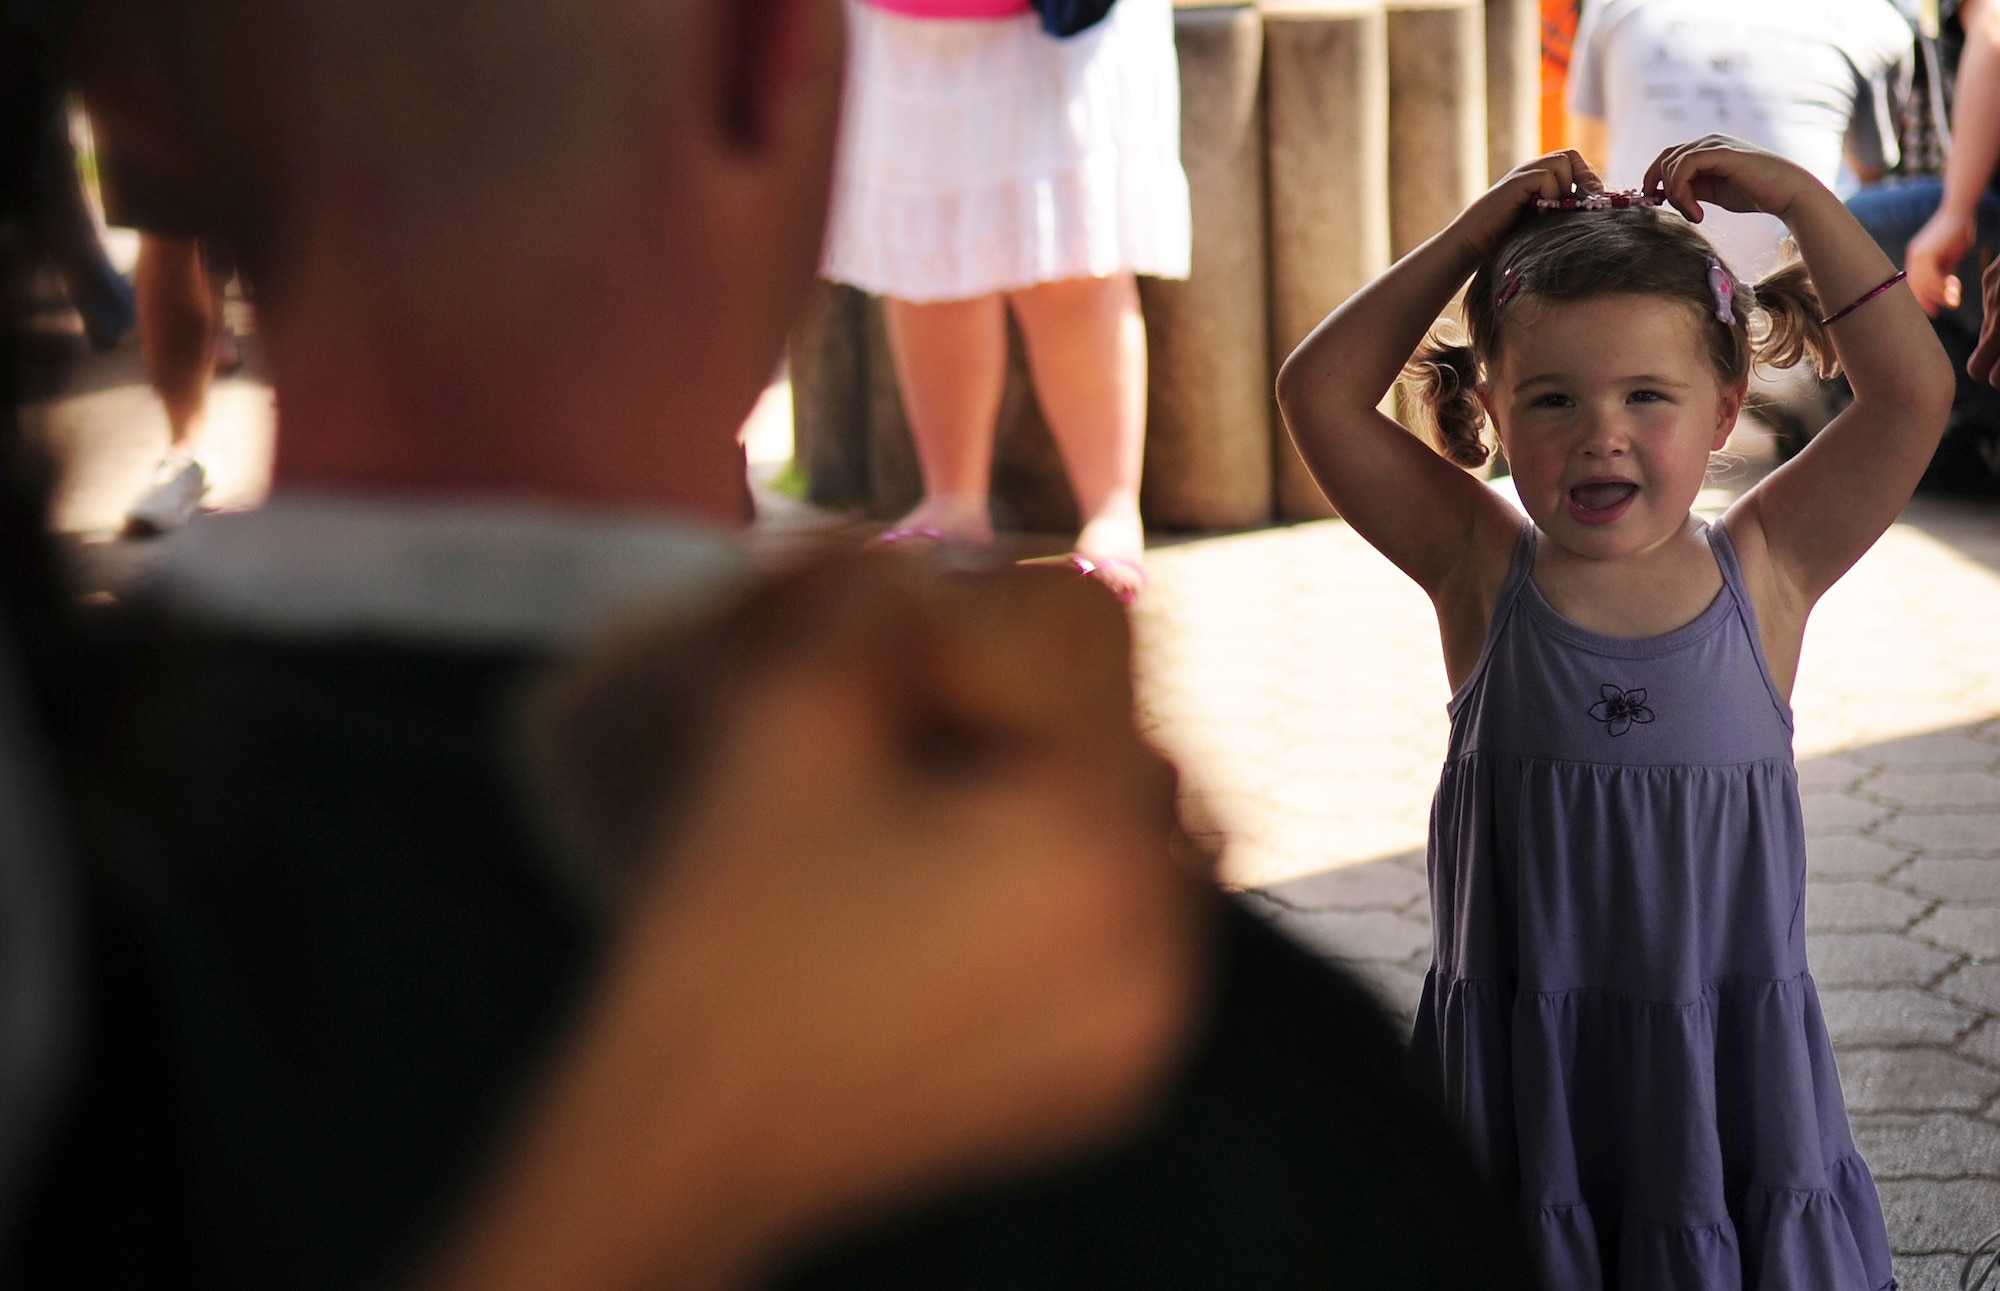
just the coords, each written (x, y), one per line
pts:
(450, 571)
(1799, 77)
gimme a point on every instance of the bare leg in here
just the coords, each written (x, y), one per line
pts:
(1087, 349)
(178, 322)
(951, 361)
(180, 316)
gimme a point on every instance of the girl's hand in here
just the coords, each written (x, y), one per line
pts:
(1554, 176)
(1728, 173)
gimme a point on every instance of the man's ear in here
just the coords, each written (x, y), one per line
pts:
(1732, 404)
(768, 48)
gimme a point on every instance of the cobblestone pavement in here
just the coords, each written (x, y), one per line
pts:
(1298, 677)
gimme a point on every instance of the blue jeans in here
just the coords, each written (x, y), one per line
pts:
(69, 238)
(1895, 209)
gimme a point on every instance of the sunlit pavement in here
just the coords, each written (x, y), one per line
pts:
(1297, 677)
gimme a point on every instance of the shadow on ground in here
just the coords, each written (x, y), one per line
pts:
(1903, 934)
(1969, 526)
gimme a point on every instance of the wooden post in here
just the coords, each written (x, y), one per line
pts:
(1513, 84)
(829, 371)
(1437, 115)
(1208, 445)
(1327, 90)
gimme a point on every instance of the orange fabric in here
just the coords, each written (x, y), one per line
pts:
(1558, 36)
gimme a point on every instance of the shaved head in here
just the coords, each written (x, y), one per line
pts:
(439, 107)
(540, 246)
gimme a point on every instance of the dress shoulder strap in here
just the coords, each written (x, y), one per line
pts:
(1518, 573)
(1746, 611)
(1522, 566)
(1725, 560)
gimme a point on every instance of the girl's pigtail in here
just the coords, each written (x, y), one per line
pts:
(1439, 386)
(1792, 330)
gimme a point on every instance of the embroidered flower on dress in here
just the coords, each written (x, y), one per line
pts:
(1620, 709)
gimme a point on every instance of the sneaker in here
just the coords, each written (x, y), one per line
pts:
(179, 484)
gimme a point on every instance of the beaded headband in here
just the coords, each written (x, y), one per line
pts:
(1598, 201)
(1724, 285)
(1587, 202)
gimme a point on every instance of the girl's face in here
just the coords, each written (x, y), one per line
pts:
(1608, 409)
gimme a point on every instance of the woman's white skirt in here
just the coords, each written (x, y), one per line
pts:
(980, 155)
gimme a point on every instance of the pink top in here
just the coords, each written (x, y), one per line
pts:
(953, 8)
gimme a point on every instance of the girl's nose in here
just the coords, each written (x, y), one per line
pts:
(1605, 437)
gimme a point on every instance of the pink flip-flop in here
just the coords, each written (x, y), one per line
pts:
(911, 533)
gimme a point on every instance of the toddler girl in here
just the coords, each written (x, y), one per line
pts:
(1618, 1007)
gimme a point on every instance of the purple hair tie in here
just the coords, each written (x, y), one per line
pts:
(1863, 299)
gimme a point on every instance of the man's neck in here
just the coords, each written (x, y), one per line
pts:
(400, 419)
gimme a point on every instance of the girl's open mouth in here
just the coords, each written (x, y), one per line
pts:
(1601, 503)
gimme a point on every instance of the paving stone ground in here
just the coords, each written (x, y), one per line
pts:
(1297, 677)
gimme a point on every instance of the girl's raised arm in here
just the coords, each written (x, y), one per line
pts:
(1426, 515)
(1816, 515)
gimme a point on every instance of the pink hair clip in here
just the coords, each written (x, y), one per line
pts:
(1507, 290)
(1598, 201)
(1727, 291)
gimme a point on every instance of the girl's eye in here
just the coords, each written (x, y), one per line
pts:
(1647, 396)
(1551, 401)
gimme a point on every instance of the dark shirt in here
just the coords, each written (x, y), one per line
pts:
(331, 955)
(334, 946)
(1299, 1150)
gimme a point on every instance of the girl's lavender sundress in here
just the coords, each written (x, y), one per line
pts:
(1618, 1006)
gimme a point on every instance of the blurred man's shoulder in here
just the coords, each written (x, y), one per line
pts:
(1298, 1148)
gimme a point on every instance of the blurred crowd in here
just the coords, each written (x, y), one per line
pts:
(1891, 103)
